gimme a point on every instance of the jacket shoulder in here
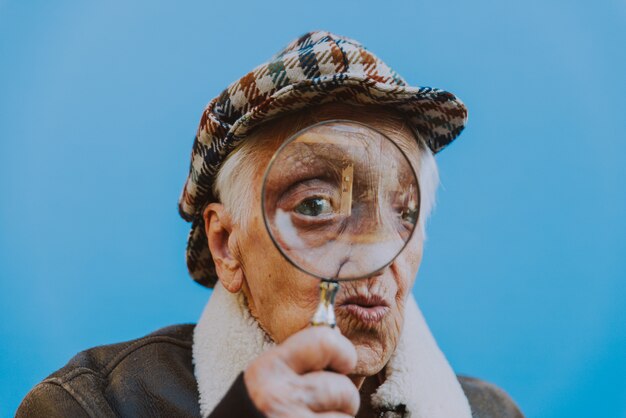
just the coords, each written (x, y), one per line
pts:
(487, 400)
(50, 400)
(94, 382)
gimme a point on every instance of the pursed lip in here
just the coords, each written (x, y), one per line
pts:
(368, 309)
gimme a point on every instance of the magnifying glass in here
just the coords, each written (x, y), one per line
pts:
(340, 202)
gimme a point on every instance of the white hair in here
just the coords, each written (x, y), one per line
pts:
(234, 183)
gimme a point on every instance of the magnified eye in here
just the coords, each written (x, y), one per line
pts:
(315, 206)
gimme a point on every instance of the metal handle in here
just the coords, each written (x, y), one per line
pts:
(325, 314)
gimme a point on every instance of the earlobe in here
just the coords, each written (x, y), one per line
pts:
(219, 231)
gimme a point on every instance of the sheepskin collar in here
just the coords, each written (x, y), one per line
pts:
(418, 378)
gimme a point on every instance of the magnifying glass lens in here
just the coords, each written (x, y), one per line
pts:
(340, 200)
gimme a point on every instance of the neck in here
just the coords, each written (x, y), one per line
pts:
(367, 387)
(358, 381)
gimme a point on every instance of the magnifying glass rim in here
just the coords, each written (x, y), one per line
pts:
(293, 138)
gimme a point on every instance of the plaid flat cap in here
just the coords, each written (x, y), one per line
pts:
(319, 67)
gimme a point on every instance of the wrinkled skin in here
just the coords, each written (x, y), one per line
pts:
(283, 298)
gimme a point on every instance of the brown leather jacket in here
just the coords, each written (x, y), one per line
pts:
(153, 377)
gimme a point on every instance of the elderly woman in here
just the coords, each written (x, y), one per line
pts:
(253, 352)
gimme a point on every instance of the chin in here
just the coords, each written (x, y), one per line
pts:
(373, 352)
(374, 343)
(369, 361)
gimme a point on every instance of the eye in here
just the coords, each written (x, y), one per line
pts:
(406, 208)
(314, 206)
(409, 215)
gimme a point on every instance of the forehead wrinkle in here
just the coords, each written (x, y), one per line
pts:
(272, 134)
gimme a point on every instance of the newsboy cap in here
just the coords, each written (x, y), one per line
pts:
(319, 67)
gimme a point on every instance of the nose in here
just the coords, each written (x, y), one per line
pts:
(369, 259)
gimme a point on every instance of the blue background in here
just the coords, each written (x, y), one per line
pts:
(523, 277)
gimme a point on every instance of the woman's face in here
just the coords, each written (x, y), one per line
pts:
(369, 311)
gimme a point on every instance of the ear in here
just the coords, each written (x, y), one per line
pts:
(219, 231)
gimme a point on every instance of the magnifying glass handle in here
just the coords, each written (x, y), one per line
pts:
(325, 314)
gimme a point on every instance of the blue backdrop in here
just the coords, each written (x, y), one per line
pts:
(523, 277)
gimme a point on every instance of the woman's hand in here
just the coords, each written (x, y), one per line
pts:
(305, 376)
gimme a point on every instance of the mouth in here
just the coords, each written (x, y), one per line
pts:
(369, 309)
